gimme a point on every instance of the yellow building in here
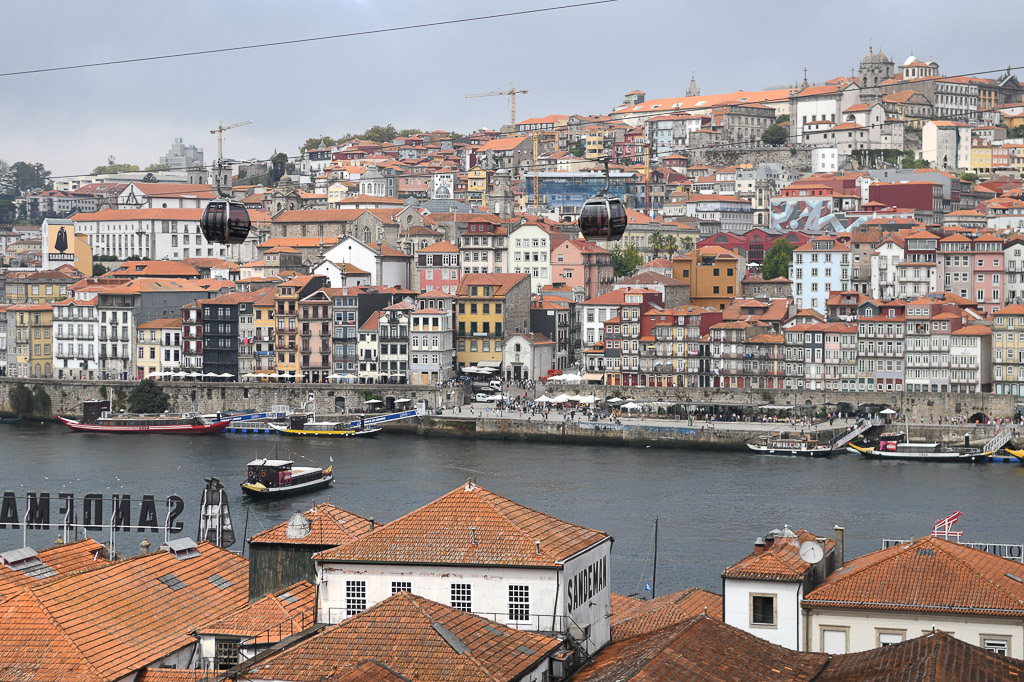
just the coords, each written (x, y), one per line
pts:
(286, 315)
(263, 342)
(40, 286)
(491, 308)
(981, 158)
(476, 186)
(29, 342)
(1007, 350)
(158, 347)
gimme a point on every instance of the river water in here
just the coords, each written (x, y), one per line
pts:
(711, 505)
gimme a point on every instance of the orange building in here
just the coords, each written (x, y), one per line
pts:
(713, 275)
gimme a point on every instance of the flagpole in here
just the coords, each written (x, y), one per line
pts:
(654, 576)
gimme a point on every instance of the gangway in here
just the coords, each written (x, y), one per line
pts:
(857, 430)
(277, 412)
(1002, 437)
(382, 418)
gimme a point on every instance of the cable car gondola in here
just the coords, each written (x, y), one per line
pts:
(603, 216)
(225, 222)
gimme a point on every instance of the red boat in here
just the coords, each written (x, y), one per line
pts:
(191, 424)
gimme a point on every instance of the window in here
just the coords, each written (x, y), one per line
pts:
(462, 596)
(834, 641)
(355, 597)
(996, 645)
(226, 651)
(762, 610)
(889, 637)
(519, 602)
(400, 586)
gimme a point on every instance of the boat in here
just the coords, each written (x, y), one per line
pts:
(122, 422)
(267, 478)
(302, 425)
(1016, 454)
(789, 443)
(895, 446)
(10, 420)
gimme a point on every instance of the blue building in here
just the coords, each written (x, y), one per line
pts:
(566, 192)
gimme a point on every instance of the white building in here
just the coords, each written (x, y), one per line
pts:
(819, 267)
(970, 360)
(387, 265)
(76, 338)
(528, 356)
(911, 589)
(762, 592)
(733, 213)
(885, 269)
(482, 553)
(155, 233)
(946, 144)
(432, 347)
(816, 103)
(1013, 258)
(529, 251)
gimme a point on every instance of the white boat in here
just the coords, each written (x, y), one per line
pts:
(280, 477)
(789, 443)
(894, 446)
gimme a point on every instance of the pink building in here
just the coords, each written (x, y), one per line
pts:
(989, 277)
(439, 267)
(580, 263)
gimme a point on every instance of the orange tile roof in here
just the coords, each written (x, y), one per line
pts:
(779, 561)
(106, 623)
(927, 575)
(326, 215)
(502, 283)
(162, 323)
(507, 534)
(632, 617)
(441, 247)
(271, 618)
(154, 268)
(60, 559)
(404, 634)
(502, 144)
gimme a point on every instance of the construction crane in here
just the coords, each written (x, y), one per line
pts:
(219, 132)
(511, 93)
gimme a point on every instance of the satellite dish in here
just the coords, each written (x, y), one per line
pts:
(811, 552)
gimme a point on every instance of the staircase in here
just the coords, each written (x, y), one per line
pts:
(857, 430)
(1002, 437)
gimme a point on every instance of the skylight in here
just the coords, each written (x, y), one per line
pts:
(171, 581)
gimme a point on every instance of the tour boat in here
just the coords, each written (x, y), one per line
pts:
(1016, 454)
(121, 422)
(788, 443)
(299, 426)
(280, 477)
(892, 446)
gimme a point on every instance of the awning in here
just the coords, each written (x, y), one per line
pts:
(593, 377)
(489, 363)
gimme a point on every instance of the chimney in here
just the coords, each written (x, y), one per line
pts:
(538, 547)
(472, 535)
(373, 524)
(839, 546)
(759, 546)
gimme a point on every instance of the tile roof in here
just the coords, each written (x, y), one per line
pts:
(414, 637)
(780, 560)
(440, 247)
(927, 575)
(700, 648)
(270, 619)
(502, 144)
(632, 617)
(162, 323)
(502, 283)
(106, 623)
(70, 557)
(154, 268)
(470, 526)
(933, 657)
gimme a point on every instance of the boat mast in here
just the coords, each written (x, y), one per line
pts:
(654, 575)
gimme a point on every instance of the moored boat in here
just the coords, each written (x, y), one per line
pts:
(177, 424)
(789, 443)
(280, 477)
(299, 426)
(891, 446)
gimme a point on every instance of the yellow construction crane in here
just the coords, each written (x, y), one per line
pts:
(536, 168)
(511, 93)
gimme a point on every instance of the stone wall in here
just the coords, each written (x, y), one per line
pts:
(791, 158)
(206, 398)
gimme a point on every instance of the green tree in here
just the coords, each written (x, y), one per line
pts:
(148, 398)
(670, 246)
(25, 176)
(626, 261)
(775, 135)
(777, 260)
(1017, 131)
(688, 244)
(115, 168)
(969, 177)
(314, 142)
(784, 118)
(42, 405)
(99, 269)
(154, 167)
(578, 150)
(22, 400)
(657, 242)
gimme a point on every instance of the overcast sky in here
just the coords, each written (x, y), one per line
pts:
(572, 61)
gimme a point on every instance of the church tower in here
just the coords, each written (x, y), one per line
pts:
(874, 68)
(501, 198)
(693, 90)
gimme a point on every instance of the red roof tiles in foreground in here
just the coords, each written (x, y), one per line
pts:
(106, 623)
(470, 526)
(62, 559)
(927, 575)
(416, 638)
(272, 618)
(780, 560)
(633, 617)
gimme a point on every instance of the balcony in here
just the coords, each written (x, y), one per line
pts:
(306, 332)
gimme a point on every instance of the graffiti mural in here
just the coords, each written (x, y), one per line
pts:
(808, 215)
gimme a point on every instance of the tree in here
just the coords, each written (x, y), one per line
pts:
(41, 402)
(99, 269)
(969, 177)
(688, 243)
(775, 135)
(626, 261)
(314, 142)
(115, 168)
(1017, 131)
(578, 150)
(26, 176)
(670, 246)
(657, 242)
(279, 166)
(22, 400)
(148, 398)
(784, 118)
(154, 167)
(777, 260)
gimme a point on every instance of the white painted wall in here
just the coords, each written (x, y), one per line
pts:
(739, 613)
(864, 627)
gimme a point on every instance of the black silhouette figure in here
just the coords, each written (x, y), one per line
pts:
(61, 242)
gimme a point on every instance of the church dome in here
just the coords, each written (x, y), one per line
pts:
(873, 57)
(412, 201)
(910, 60)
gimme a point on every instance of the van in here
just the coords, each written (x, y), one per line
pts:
(495, 384)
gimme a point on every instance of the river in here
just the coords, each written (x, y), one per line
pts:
(711, 505)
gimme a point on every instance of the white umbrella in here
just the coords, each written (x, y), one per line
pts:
(226, 375)
(576, 398)
(887, 411)
(404, 400)
(543, 399)
(631, 406)
(195, 374)
(249, 375)
(615, 400)
(372, 401)
(588, 399)
(570, 377)
(561, 398)
(154, 374)
(333, 376)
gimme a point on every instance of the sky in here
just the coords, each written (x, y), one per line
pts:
(580, 60)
